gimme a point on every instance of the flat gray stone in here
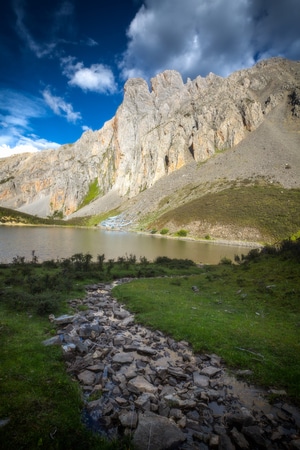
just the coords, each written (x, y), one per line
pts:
(128, 321)
(128, 419)
(200, 380)
(64, 319)
(210, 371)
(123, 358)
(144, 350)
(156, 433)
(55, 340)
(86, 377)
(139, 384)
(143, 401)
(121, 313)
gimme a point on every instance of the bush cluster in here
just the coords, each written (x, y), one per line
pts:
(41, 287)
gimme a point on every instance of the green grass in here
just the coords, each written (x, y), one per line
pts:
(273, 210)
(92, 193)
(40, 401)
(18, 218)
(249, 314)
(8, 215)
(33, 381)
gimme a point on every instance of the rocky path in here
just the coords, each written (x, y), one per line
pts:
(140, 382)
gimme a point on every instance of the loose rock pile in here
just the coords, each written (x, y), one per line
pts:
(139, 382)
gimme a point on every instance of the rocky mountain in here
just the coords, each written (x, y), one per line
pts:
(159, 139)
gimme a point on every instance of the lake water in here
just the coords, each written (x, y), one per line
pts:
(57, 243)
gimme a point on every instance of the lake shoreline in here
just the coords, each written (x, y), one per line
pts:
(207, 241)
(217, 241)
(228, 242)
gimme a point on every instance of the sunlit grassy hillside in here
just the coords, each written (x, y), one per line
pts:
(272, 210)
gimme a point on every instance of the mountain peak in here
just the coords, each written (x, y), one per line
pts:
(154, 133)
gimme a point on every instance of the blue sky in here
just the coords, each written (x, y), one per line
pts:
(63, 63)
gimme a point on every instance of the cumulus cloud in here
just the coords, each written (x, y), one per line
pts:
(25, 144)
(60, 107)
(96, 78)
(196, 37)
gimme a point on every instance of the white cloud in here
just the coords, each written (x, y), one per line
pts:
(26, 144)
(6, 150)
(19, 107)
(60, 107)
(96, 78)
(85, 128)
(196, 37)
(16, 111)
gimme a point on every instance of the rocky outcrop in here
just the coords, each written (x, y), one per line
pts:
(154, 133)
(141, 383)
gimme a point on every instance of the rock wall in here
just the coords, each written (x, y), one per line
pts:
(155, 132)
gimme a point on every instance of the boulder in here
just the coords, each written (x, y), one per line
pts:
(139, 385)
(156, 433)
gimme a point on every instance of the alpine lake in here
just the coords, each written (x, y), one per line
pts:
(56, 243)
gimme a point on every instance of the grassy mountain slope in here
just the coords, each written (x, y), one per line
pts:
(250, 192)
(257, 213)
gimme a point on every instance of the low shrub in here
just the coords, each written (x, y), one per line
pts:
(182, 233)
(174, 263)
(226, 261)
(164, 231)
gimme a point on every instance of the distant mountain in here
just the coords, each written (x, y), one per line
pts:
(167, 146)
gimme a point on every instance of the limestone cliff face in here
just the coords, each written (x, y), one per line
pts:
(155, 132)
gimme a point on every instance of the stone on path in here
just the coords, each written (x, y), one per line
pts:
(210, 371)
(62, 320)
(157, 391)
(128, 419)
(139, 384)
(156, 433)
(200, 380)
(55, 340)
(87, 377)
(123, 358)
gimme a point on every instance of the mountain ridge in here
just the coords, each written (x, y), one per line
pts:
(208, 132)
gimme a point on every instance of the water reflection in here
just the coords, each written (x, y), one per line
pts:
(57, 243)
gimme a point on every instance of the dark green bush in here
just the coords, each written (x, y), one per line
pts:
(164, 231)
(182, 233)
(226, 261)
(174, 263)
